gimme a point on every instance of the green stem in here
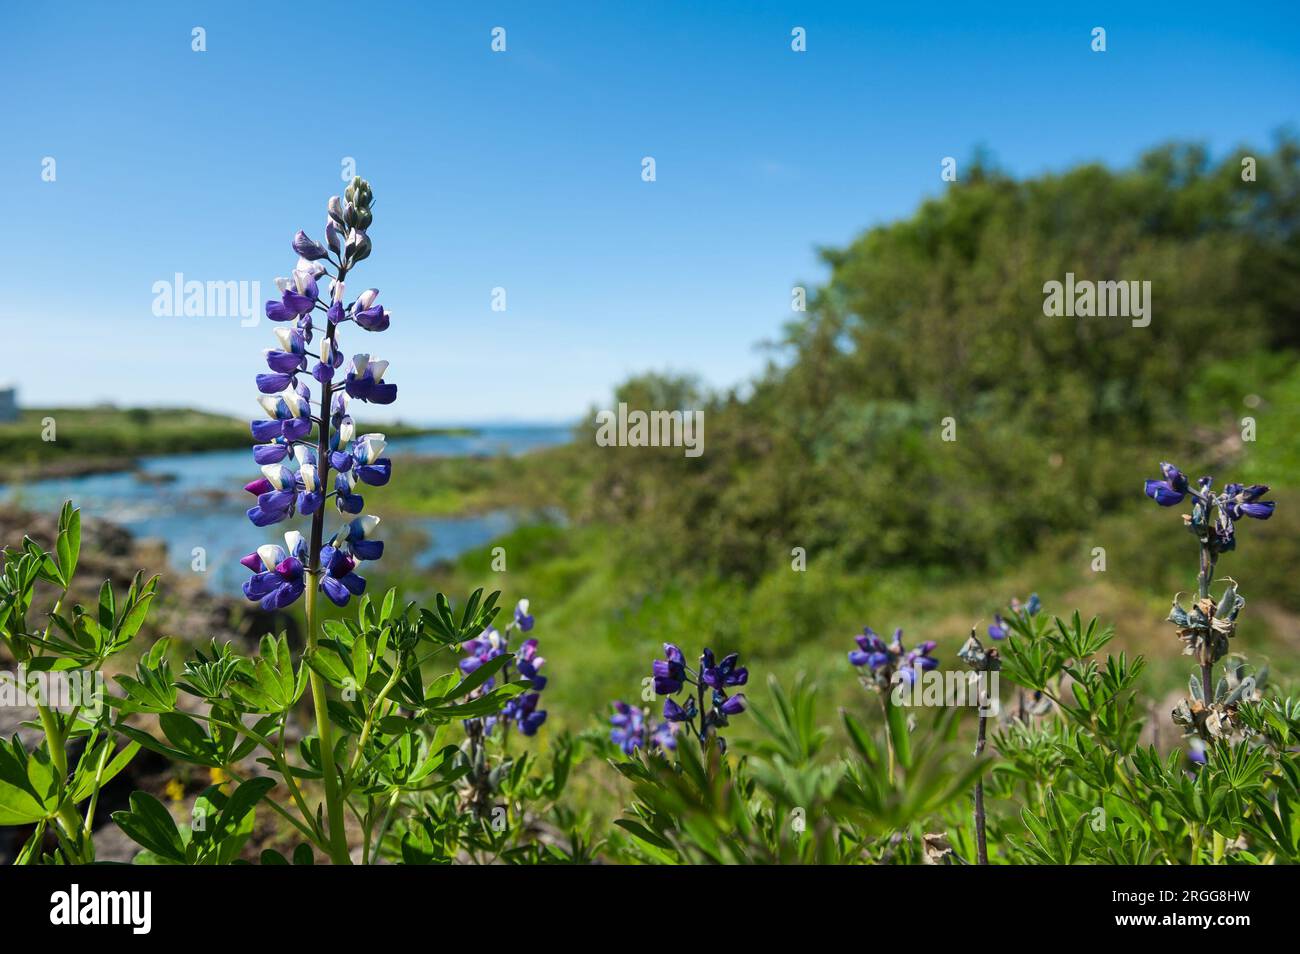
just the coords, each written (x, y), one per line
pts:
(54, 739)
(283, 812)
(889, 736)
(370, 722)
(383, 827)
(1203, 585)
(94, 794)
(281, 763)
(1220, 847)
(981, 837)
(338, 845)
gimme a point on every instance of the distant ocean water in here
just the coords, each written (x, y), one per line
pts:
(196, 502)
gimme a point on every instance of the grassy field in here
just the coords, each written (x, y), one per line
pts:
(602, 616)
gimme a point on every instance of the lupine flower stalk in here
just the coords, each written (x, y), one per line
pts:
(883, 665)
(491, 643)
(522, 710)
(304, 439)
(1207, 627)
(982, 661)
(709, 708)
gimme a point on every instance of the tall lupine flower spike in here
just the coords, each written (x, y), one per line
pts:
(1206, 628)
(296, 464)
(715, 677)
(303, 438)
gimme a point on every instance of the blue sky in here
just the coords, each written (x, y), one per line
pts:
(523, 169)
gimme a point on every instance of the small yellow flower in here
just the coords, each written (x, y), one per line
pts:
(218, 777)
(174, 790)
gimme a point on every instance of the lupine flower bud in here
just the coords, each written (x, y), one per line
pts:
(358, 247)
(308, 248)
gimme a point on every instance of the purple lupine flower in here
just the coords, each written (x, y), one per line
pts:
(733, 705)
(344, 499)
(291, 356)
(310, 494)
(664, 736)
(725, 673)
(374, 469)
(522, 710)
(528, 663)
(330, 361)
(1244, 501)
(297, 296)
(276, 503)
(357, 538)
(339, 582)
(998, 629)
(871, 650)
(630, 733)
(525, 712)
(277, 579)
(488, 645)
(889, 662)
(1171, 490)
(675, 712)
(365, 380)
(290, 415)
(522, 619)
(1213, 515)
(670, 673)
(918, 660)
(367, 314)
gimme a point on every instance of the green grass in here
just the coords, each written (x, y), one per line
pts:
(461, 486)
(602, 619)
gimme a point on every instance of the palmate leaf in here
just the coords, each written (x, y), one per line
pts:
(152, 689)
(274, 685)
(94, 638)
(485, 705)
(27, 784)
(471, 682)
(222, 826)
(150, 825)
(441, 624)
